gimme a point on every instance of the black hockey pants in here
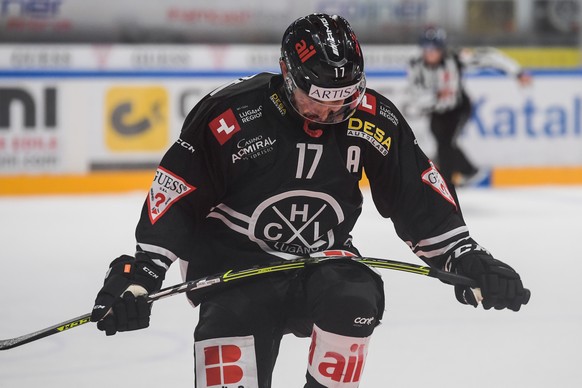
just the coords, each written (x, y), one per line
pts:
(240, 328)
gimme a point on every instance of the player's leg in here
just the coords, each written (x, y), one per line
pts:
(238, 335)
(443, 131)
(346, 302)
(459, 119)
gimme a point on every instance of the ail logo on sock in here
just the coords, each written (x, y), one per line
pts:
(336, 360)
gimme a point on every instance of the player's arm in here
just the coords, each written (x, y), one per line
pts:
(408, 188)
(185, 186)
(489, 57)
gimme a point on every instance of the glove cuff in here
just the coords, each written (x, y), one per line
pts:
(142, 272)
(468, 248)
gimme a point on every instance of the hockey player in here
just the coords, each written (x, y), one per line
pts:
(267, 168)
(436, 85)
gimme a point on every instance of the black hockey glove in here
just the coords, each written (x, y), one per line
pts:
(121, 304)
(499, 285)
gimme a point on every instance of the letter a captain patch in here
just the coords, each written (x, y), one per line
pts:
(435, 180)
(166, 189)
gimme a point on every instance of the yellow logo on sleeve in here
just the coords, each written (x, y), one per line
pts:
(370, 132)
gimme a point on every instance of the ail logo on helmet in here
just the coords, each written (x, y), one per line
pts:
(166, 190)
(224, 126)
(304, 52)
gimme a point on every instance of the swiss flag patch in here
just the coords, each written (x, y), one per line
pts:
(435, 180)
(224, 126)
(166, 189)
(368, 104)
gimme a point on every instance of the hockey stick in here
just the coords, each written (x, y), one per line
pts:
(235, 275)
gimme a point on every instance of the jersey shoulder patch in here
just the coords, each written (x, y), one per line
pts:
(167, 188)
(375, 121)
(432, 177)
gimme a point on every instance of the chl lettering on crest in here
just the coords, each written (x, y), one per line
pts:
(299, 213)
(296, 222)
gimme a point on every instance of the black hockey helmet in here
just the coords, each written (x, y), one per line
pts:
(433, 37)
(321, 57)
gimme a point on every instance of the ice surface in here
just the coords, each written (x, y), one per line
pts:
(54, 252)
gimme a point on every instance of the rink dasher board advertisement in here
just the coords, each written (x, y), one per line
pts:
(39, 128)
(74, 124)
(511, 126)
(107, 133)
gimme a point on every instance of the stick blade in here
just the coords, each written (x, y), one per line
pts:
(58, 328)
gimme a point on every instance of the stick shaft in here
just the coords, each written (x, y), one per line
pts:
(237, 275)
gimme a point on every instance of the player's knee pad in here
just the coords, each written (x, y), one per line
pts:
(335, 361)
(346, 298)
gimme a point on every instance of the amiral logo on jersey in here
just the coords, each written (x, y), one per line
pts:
(434, 179)
(224, 126)
(252, 148)
(167, 188)
(371, 133)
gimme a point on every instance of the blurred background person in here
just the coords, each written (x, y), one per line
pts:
(436, 88)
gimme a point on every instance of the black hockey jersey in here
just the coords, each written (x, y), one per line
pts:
(249, 182)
